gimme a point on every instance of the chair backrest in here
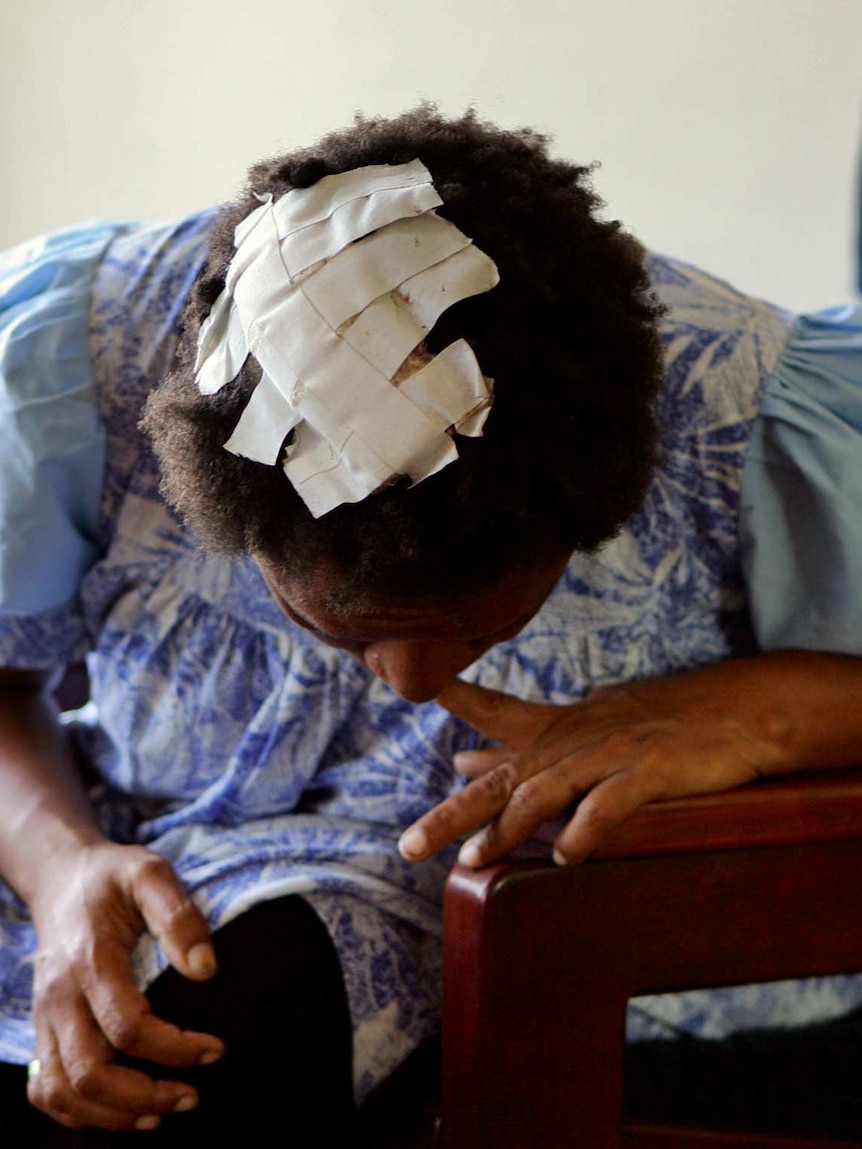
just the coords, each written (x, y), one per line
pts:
(540, 961)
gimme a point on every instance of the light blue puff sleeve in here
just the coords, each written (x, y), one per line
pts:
(52, 441)
(801, 513)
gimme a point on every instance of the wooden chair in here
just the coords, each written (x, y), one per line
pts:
(756, 884)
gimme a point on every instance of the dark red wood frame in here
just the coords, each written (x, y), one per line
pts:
(755, 884)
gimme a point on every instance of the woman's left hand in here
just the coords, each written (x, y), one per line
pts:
(617, 749)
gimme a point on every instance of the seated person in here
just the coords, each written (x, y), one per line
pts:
(406, 466)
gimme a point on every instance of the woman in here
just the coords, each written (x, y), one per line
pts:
(266, 731)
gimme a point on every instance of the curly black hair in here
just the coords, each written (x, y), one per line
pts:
(568, 335)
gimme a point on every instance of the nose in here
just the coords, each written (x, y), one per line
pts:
(418, 671)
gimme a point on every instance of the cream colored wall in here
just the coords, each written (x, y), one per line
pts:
(727, 129)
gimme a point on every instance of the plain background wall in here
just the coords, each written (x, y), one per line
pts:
(728, 130)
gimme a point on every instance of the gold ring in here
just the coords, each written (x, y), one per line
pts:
(34, 1068)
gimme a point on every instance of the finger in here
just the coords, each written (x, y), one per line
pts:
(495, 714)
(535, 800)
(52, 1092)
(92, 1074)
(173, 918)
(474, 763)
(555, 750)
(126, 1020)
(479, 802)
(613, 800)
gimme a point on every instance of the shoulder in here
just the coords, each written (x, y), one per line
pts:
(802, 530)
(147, 271)
(720, 345)
(139, 295)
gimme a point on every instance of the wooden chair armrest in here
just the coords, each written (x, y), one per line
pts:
(806, 807)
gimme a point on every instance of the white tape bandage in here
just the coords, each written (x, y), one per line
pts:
(331, 288)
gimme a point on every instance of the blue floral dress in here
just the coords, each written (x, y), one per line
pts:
(262, 763)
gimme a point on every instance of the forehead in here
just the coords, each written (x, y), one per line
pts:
(510, 602)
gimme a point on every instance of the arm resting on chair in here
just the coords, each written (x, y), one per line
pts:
(698, 732)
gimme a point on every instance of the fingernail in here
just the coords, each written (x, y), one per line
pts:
(209, 1057)
(150, 1122)
(413, 843)
(560, 859)
(201, 958)
(185, 1103)
(470, 855)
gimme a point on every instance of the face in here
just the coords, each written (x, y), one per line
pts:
(417, 647)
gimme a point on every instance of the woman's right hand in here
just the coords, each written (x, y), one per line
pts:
(86, 1006)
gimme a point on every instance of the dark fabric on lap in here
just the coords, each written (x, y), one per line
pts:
(401, 1111)
(800, 1081)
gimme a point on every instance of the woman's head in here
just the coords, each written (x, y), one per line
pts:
(420, 645)
(568, 337)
